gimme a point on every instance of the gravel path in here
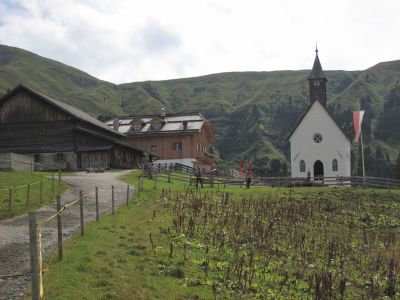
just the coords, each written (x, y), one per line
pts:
(14, 237)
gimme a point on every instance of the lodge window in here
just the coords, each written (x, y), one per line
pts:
(59, 157)
(316, 83)
(177, 146)
(137, 127)
(334, 165)
(156, 126)
(37, 157)
(153, 148)
(302, 166)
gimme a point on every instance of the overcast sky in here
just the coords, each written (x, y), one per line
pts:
(124, 41)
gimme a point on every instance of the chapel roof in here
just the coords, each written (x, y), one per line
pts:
(306, 112)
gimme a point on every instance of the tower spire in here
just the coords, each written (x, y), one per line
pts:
(317, 81)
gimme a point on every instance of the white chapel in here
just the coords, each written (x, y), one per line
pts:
(318, 146)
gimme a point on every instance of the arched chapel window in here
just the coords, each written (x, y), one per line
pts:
(334, 165)
(302, 166)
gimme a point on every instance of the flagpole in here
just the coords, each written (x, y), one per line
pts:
(362, 154)
(362, 144)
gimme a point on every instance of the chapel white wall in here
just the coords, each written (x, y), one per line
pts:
(333, 146)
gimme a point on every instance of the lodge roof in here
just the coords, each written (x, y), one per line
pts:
(170, 123)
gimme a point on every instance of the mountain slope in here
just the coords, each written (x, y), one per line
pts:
(252, 112)
(57, 80)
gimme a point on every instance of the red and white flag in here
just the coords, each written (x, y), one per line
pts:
(357, 120)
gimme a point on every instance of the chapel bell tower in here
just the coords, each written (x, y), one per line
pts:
(317, 81)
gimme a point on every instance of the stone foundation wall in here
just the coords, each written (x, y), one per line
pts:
(16, 162)
(55, 161)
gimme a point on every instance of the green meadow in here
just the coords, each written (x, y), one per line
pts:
(39, 194)
(177, 242)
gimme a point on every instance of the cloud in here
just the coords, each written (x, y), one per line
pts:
(132, 40)
(156, 39)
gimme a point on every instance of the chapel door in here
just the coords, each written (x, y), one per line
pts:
(318, 170)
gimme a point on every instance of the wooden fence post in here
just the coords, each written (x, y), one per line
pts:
(81, 212)
(34, 256)
(52, 181)
(138, 189)
(97, 204)
(169, 176)
(41, 191)
(112, 201)
(155, 182)
(127, 195)
(59, 178)
(28, 192)
(9, 198)
(59, 229)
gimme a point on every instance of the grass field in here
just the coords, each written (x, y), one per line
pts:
(262, 243)
(20, 203)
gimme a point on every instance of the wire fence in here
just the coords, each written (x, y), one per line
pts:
(14, 199)
(36, 229)
(211, 181)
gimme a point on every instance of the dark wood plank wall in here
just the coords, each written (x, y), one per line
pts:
(30, 125)
(87, 141)
(124, 157)
(37, 137)
(26, 107)
(98, 130)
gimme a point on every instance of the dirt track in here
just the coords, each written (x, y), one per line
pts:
(14, 238)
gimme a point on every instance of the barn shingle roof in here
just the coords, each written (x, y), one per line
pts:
(68, 109)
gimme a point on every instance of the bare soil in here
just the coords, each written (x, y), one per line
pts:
(14, 237)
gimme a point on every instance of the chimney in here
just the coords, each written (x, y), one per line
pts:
(185, 125)
(116, 124)
(163, 112)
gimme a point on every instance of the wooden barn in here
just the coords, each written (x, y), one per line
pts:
(58, 135)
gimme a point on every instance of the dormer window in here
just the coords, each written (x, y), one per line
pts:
(156, 126)
(316, 83)
(137, 125)
(157, 123)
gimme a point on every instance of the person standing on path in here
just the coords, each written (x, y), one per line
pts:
(198, 178)
(248, 179)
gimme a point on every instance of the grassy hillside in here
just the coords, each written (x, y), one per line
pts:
(57, 80)
(252, 112)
